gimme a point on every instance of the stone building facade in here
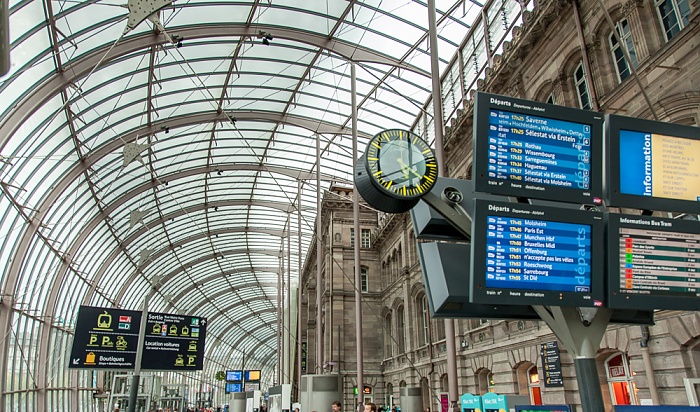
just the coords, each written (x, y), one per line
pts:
(565, 54)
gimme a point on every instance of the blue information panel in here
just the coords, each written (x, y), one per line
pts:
(535, 150)
(545, 258)
(653, 164)
(536, 255)
(234, 387)
(234, 376)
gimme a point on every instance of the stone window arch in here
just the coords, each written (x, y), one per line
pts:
(484, 381)
(401, 329)
(388, 341)
(620, 381)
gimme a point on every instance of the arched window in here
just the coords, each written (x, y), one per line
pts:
(425, 392)
(622, 388)
(485, 381)
(422, 321)
(389, 395)
(388, 341)
(400, 329)
(438, 329)
(621, 66)
(534, 386)
(674, 15)
(584, 100)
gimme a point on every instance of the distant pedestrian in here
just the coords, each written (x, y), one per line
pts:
(370, 407)
(336, 406)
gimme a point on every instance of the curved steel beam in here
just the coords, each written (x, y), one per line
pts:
(54, 84)
(247, 334)
(179, 212)
(225, 291)
(24, 242)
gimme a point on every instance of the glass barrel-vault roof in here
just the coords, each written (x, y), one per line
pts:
(167, 156)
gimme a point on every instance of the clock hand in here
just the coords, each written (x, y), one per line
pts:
(405, 167)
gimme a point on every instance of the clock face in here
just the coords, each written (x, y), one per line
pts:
(401, 164)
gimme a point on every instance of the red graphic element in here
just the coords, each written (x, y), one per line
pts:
(125, 319)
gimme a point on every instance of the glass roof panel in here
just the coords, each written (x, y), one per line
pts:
(199, 11)
(276, 16)
(217, 194)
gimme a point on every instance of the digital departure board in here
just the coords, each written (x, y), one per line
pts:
(653, 263)
(234, 376)
(234, 387)
(536, 255)
(653, 164)
(535, 150)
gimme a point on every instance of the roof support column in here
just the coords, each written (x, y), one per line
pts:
(288, 332)
(440, 157)
(319, 258)
(299, 268)
(356, 245)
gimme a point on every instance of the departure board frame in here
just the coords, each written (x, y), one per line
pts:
(641, 230)
(590, 226)
(493, 146)
(628, 177)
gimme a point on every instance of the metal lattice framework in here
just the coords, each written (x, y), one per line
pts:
(161, 153)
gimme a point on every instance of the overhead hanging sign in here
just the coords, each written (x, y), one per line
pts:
(174, 342)
(105, 338)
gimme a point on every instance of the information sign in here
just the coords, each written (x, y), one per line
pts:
(252, 386)
(174, 342)
(653, 164)
(551, 363)
(105, 338)
(234, 387)
(654, 263)
(234, 376)
(535, 150)
(252, 375)
(536, 255)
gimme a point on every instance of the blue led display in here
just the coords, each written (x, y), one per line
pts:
(537, 255)
(538, 150)
(234, 376)
(234, 387)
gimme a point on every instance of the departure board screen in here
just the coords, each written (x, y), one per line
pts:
(654, 163)
(654, 263)
(531, 149)
(536, 255)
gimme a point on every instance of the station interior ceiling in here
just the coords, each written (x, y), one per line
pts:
(163, 149)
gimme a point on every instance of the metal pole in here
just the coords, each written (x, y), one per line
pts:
(299, 269)
(133, 390)
(440, 157)
(648, 368)
(288, 333)
(584, 54)
(280, 274)
(4, 37)
(356, 245)
(628, 59)
(319, 258)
